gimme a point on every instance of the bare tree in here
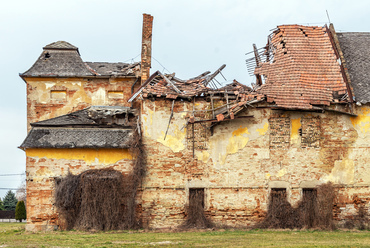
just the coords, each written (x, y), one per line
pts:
(21, 193)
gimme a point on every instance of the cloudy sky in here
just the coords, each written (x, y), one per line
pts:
(189, 37)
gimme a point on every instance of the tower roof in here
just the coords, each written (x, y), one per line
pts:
(60, 45)
(62, 59)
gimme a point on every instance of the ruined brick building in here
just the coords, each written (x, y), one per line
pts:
(306, 122)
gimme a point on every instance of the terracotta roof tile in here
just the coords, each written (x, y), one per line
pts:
(304, 70)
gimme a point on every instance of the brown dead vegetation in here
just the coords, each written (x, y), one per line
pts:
(101, 199)
(360, 221)
(195, 216)
(315, 210)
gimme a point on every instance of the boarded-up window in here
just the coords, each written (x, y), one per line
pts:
(311, 132)
(58, 94)
(279, 132)
(115, 94)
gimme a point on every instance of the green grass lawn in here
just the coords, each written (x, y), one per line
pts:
(14, 235)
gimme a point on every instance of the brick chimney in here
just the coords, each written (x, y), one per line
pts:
(146, 47)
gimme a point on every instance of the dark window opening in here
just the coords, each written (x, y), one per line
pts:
(309, 206)
(278, 193)
(196, 198)
(47, 55)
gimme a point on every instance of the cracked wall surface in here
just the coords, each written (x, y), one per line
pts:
(79, 93)
(240, 166)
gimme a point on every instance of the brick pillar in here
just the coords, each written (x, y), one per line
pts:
(146, 47)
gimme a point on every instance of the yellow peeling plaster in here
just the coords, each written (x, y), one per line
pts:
(175, 141)
(155, 128)
(42, 94)
(105, 156)
(296, 125)
(263, 131)
(233, 144)
(362, 121)
(237, 140)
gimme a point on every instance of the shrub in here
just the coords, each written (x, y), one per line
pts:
(20, 211)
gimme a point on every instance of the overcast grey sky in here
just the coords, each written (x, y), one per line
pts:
(189, 37)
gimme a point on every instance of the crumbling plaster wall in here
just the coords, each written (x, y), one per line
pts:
(245, 158)
(45, 165)
(74, 94)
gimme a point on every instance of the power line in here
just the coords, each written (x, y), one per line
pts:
(164, 68)
(9, 175)
(8, 189)
(132, 59)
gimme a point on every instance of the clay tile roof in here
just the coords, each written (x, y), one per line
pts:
(235, 86)
(304, 71)
(356, 51)
(61, 59)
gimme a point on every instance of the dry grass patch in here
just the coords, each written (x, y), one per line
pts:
(13, 235)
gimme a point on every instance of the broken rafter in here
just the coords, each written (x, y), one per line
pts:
(178, 80)
(256, 55)
(133, 96)
(334, 110)
(213, 75)
(169, 122)
(201, 75)
(169, 82)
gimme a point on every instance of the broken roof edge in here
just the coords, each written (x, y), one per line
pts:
(98, 112)
(203, 79)
(69, 138)
(140, 89)
(343, 65)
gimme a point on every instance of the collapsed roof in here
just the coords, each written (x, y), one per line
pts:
(168, 86)
(300, 68)
(93, 127)
(61, 59)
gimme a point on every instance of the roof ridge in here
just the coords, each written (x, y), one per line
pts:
(60, 45)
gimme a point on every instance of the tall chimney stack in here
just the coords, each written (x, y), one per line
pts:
(146, 47)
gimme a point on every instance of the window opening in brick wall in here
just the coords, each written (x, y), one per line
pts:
(279, 132)
(58, 94)
(278, 194)
(196, 198)
(311, 132)
(309, 206)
